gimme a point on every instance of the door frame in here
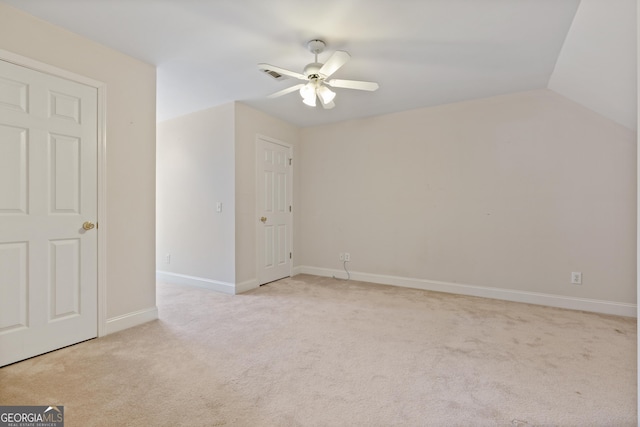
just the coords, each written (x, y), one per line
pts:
(101, 89)
(256, 210)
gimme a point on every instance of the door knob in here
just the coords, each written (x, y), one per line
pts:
(88, 225)
(263, 219)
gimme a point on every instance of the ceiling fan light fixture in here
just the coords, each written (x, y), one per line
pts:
(326, 94)
(308, 94)
(310, 101)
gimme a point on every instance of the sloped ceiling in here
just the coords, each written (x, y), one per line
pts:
(421, 52)
(597, 64)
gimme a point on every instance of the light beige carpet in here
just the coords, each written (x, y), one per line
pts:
(311, 351)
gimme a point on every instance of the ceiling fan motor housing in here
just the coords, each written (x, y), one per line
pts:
(312, 71)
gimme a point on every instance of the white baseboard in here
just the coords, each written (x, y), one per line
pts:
(129, 320)
(560, 301)
(183, 279)
(247, 286)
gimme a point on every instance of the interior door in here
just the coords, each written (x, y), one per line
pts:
(274, 210)
(48, 190)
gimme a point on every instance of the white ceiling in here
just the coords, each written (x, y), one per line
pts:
(421, 52)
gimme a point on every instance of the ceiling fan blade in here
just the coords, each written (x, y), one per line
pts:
(353, 84)
(267, 68)
(337, 60)
(286, 91)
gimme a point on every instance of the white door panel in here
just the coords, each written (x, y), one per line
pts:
(274, 207)
(13, 170)
(48, 189)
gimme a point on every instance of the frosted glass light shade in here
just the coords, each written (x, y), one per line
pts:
(308, 93)
(326, 94)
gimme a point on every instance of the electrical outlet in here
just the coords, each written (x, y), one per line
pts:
(576, 278)
(167, 259)
(347, 256)
(341, 256)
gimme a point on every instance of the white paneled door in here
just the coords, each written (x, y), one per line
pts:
(48, 207)
(274, 210)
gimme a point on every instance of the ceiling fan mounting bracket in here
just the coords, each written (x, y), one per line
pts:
(316, 46)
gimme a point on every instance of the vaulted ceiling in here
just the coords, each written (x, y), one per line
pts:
(421, 52)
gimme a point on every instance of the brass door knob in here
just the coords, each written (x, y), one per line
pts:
(88, 225)
(263, 219)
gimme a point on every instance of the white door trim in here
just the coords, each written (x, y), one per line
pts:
(257, 203)
(102, 168)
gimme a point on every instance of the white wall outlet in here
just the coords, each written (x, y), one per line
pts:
(341, 256)
(576, 278)
(347, 256)
(219, 207)
(167, 259)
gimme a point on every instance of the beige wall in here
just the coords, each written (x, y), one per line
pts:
(249, 123)
(510, 193)
(130, 141)
(203, 158)
(195, 171)
(513, 192)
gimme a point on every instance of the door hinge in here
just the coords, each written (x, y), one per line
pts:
(289, 208)
(290, 161)
(290, 255)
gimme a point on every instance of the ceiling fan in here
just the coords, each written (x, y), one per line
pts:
(316, 75)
